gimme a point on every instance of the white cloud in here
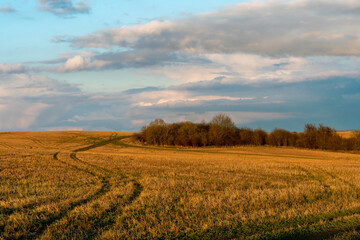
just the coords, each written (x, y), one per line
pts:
(93, 116)
(78, 63)
(176, 98)
(75, 63)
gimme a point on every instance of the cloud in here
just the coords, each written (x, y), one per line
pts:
(64, 8)
(185, 68)
(260, 41)
(175, 97)
(36, 102)
(284, 105)
(12, 68)
(24, 97)
(7, 10)
(272, 28)
(255, 69)
(118, 60)
(78, 63)
(182, 68)
(75, 63)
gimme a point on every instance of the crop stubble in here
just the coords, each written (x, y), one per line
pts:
(92, 185)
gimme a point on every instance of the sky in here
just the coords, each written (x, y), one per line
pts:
(116, 65)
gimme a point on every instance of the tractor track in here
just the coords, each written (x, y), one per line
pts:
(105, 188)
(293, 228)
(105, 176)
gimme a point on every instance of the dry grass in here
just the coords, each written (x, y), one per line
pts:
(116, 191)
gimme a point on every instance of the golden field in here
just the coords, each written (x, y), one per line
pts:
(99, 185)
(346, 134)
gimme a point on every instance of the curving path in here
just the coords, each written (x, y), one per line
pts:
(105, 176)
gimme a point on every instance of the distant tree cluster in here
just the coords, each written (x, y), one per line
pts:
(221, 131)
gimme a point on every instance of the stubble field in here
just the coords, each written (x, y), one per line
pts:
(97, 185)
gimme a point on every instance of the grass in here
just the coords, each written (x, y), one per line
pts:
(98, 185)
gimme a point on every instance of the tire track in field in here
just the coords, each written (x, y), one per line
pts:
(105, 187)
(109, 215)
(6, 212)
(63, 212)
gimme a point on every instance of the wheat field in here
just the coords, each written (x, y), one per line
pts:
(100, 185)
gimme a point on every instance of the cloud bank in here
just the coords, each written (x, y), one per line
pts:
(252, 42)
(272, 28)
(36, 102)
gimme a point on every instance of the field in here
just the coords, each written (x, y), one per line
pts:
(98, 185)
(346, 134)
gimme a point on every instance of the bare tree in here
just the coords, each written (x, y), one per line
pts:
(222, 130)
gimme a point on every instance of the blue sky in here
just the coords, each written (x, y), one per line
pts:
(117, 65)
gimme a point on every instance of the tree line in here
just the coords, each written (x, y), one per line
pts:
(221, 131)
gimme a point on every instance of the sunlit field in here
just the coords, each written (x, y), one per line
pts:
(100, 185)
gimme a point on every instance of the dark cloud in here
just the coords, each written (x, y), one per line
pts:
(64, 8)
(330, 101)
